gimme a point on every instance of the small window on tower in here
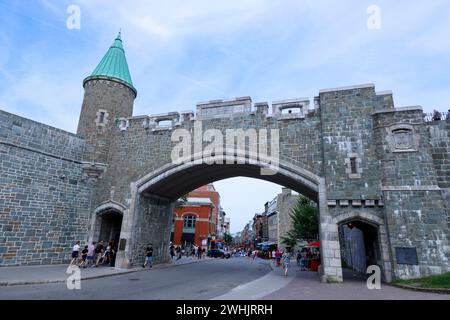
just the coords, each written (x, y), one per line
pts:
(353, 167)
(101, 117)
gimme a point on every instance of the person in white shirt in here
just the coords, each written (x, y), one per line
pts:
(75, 253)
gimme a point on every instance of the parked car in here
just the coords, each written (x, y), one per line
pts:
(218, 253)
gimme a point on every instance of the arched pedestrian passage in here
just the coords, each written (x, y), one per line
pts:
(363, 243)
(107, 223)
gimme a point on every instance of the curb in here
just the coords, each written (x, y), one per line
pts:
(413, 288)
(160, 266)
(22, 283)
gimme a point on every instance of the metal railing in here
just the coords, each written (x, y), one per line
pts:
(430, 117)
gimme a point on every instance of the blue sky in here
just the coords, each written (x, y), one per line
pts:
(183, 52)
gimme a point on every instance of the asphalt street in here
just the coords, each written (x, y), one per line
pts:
(201, 281)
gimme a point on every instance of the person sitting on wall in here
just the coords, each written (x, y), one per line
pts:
(437, 116)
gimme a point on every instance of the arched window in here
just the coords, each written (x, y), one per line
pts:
(189, 222)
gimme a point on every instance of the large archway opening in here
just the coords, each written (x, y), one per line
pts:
(153, 199)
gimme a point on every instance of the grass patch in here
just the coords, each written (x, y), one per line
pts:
(436, 282)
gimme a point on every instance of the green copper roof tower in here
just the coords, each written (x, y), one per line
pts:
(109, 95)
(114, 65)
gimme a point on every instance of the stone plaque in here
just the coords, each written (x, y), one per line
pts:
(407, 256)
(122, 244)
(403, 139)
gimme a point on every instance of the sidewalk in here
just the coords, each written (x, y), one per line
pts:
(27, 275)
(259, 288)
(307, 286)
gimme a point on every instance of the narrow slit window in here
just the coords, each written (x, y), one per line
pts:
(353, 166)
(101, 117)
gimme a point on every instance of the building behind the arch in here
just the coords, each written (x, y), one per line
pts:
(349, 149)
(196, 220)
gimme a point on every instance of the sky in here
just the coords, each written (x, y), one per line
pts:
(183, 52)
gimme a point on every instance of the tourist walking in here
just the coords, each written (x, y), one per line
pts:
(303, 261)
(75, 253)
(113, 254)
(172, 251)
(278, 257)
(148, 256)
(178, 253)
(83, 257)
(196, 251)
(309, 257)
(90, 255)
(286, 261)
(107, 254)
(99, 253)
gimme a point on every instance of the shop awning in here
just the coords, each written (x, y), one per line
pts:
(313, 244)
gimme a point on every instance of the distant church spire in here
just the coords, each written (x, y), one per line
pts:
(114, 64)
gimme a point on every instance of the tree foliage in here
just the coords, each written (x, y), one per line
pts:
(227, 238)
(305, 222)
(182, 201)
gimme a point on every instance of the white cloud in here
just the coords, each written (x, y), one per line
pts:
(43, 98)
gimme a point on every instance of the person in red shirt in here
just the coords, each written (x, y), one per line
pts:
(278, 257)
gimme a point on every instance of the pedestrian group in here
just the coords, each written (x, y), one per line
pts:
(94, 254)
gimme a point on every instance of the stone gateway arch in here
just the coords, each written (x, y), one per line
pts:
(363, 161)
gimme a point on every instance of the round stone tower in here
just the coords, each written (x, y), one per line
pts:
(108, 96)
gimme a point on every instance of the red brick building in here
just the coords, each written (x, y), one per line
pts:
(195, 222)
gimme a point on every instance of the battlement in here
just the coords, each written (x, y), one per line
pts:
(282, 110)
(221, 108)
(215, 109)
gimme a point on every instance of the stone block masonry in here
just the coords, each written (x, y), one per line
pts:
(44, 201)
(439, 132)
(357, 156)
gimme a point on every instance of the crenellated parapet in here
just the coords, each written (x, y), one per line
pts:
(292, 109)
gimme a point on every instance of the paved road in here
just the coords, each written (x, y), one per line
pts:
(200, 281)
(235, 279)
